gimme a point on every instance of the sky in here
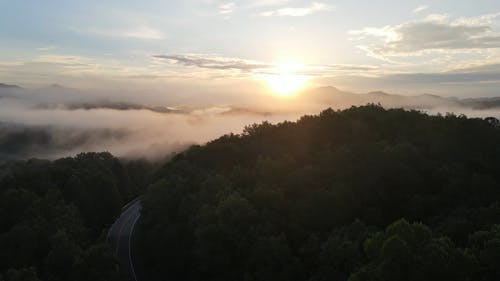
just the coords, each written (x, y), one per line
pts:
(450, 48)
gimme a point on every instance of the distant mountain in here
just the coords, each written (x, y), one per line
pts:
(119, 106)
(56, 89)
(56, 96)
(341, 99)
(8, 86)
(8, 91)
(482, 103)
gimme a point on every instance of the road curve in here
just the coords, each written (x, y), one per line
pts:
(120, 238)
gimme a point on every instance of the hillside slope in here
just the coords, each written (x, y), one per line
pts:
(54, 215)
(359, 194)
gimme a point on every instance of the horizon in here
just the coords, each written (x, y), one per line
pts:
(56, 121)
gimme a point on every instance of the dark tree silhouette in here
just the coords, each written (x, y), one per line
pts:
(323, 199)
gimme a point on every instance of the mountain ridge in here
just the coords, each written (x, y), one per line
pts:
(421, 101)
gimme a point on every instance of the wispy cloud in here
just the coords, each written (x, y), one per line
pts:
(267, 3)
(420, 8)
(143, 33)
(350, 67)
(139, 32)
(227, 8)
(299, 11)
(66, 60)
(213, 62)
(46, 48)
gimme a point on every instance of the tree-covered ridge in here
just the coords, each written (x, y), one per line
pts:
(54, 215)
(359, 194)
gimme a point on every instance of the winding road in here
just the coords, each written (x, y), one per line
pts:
(120, 238)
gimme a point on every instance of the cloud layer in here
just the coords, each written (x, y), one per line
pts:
(436, 33)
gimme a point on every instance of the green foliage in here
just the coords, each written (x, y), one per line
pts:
(53, 214)
(23, 274)
(485, 245)
(409, 252)
(306, 200)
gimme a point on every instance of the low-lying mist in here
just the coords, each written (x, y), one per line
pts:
(28, 131)
(56, 121)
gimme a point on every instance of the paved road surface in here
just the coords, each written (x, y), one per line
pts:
(120, 236)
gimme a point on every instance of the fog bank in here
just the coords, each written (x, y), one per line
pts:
(55, 121)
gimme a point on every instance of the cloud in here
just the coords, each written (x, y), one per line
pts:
(46, 48)
(267, 3)
(436, 33)
(142, 33)
(299, 11)
(420, 8)
(139, 32)
(227, 8)
(213, 62)
(63, 60)
(487, 19)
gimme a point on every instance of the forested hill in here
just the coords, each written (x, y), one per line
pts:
(359, 194)
(54, 216)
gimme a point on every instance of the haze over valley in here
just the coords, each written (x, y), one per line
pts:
(56, 121)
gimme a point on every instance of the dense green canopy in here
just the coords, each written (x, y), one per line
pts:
(54, 215)
(359, 194)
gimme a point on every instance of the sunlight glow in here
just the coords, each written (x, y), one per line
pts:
(286, 79)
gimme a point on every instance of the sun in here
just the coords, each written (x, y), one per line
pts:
(285, 79)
